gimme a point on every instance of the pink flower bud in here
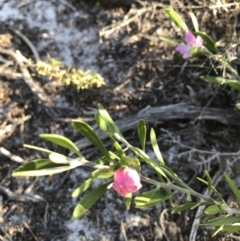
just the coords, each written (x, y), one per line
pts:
(126, 180)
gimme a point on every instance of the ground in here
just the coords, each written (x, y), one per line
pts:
(197, 124)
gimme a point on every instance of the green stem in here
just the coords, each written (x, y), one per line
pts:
(171, 186)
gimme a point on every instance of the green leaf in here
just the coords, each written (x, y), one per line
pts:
(171, 40)
(61, 141)
(176, 18)
(209, 181)
(186, 206)
(40, 167)
(128, 200)
(142, 131)
(238, 105)
(155, 146)
(134, 162)
(37, 148)
(228, 66)
(194, 21)
(88, 132)
(148, 160)
(212, 209)
(233, 187)
(189, 198)
(83, 187)
(227, 220)
(151, 198)
(111, 126)
(89, 199)
(212, 188)
(235, 227)
(220, 80)
(59, 158)
(118, 147)
(208, 41)
(217, 230)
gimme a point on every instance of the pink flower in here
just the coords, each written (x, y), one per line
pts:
(191, 42)
(126, 180)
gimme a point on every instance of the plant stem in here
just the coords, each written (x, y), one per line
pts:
(171, 186)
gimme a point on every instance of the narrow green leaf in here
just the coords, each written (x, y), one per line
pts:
(112, 127)
(217, 230)
(238, 105)
(212, 209)
(220, 80)
(228, 229)
(155, 146)
(208, 41)
(37, 148)
(186, 206)
(128, 200)
(88, 132)
(61, 141)
(40, 167)
(118, 147)
(176, 18)
(89, 199)
(171, 40)
(83, 187)
(148, 160)
(194, 21)
(228, 66)
(212, 188)
(142, 132)
(189, 198)
(59, 158)
(209, 181)
(151, 198)
(233, 187)
(229, 220)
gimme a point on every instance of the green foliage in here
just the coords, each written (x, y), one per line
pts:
(212, 209)
(151, 198)
(234, 188)
(156, 147)
(61, 141)
(225, 219)
(186, 206)
(208, 41)
(220, 80)
(176, 18)
(56, 71)
(89, 200)
(142, 133)
(40, 167)
(88, 132)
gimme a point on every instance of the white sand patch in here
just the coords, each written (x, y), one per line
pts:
(58, 26)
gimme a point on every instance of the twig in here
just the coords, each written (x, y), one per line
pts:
(29, 43)
(30, 230)
(123, 231)
(8, 154)
(35, 88)
(11, 127)
(161, 222)
(24, 198)
(216, 179)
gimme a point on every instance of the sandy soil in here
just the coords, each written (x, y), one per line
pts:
(121, 41)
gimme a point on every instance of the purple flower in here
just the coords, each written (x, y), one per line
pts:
(191, 42)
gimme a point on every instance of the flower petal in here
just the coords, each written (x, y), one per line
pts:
(183, 49)
(199, 41)
(190, 39)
